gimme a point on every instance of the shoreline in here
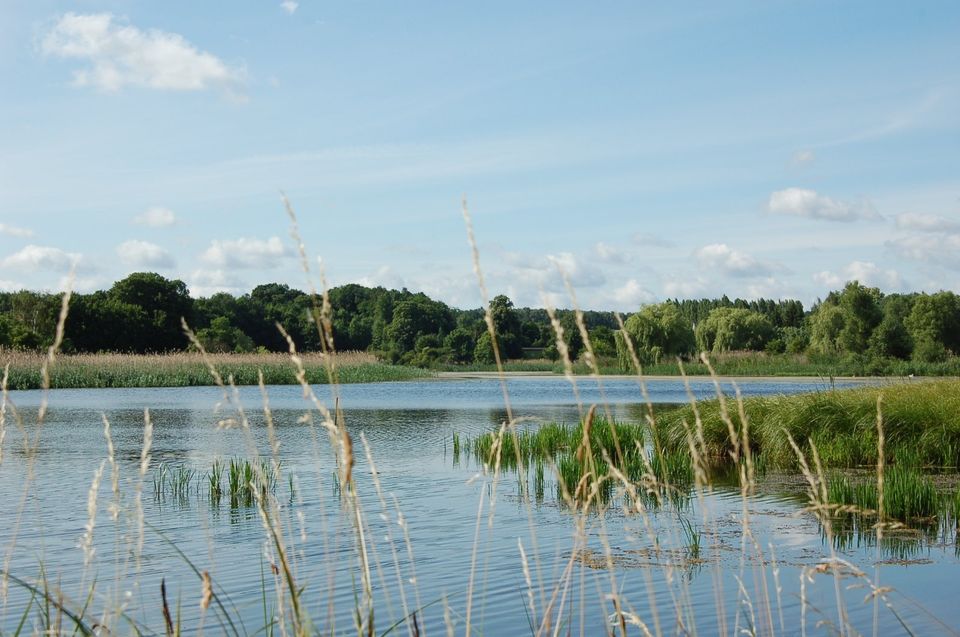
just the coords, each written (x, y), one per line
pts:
(667, 377)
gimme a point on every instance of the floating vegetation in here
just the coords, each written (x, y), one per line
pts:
(240, 480)
(582, 456)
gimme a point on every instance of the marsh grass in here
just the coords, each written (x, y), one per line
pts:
(922, 424)
(189, 369)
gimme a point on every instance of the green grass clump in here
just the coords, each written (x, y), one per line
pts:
(623, 444)
(921, 422)
(907, 495)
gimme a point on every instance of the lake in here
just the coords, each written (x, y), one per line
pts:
(445, 539)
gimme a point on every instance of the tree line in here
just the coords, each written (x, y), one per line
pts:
(142, 313)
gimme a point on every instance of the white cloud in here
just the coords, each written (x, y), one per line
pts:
(926, 223)
(720, 256)
(580, 275)
(803, 157)
(10, 286)
(632, 295)
(245, 253)
(33, 257)
(142, 254)
(609, 254)
(122, 55)
(156, 217)
(802, 202)
(767, 288)
(14, 231)
(939, 249)
(684, 287)
(289, 6)
(866, 272)
(209, 282)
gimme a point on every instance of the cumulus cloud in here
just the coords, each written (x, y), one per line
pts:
(142, 254)
(866, 272)
(802, 202)
(14, 231)
(245, 253)
(580, 274)
(926, 223)
(33, 257)
(156, 217)
(120, 55)
(609, 254)
(939, 249)
(688, 287)
(720, 256)
(10, 286)
(289, 6)
(632, 295)
(208, 282)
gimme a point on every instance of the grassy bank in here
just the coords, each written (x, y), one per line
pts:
(921, 422)
(189, 369)
(745, 364)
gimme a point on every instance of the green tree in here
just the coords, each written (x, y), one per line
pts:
(415, 317)
(826, 325)
(729, 328)
(862, 314)
(507, 326)
(160, 305)
(657, 332)
(461, 344)
(483, 351)
(221, 336)
(934, 326)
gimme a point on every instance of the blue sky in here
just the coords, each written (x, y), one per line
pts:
(646, 151)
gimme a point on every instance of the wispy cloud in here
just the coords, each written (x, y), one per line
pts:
(606, 253)
(14, 231)
(120, 55)
(803, 157)
(938, 249)
(802, 202)
(245, 253)
(143, 254)
(290, 6)
(926, 223)
(156, 217)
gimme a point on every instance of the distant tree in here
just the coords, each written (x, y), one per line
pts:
(934, 326)
(729, 328)
(154, 307)
(657, 332)
(483, 351)
(221, 336)
(862, 314)
(603, 341)
(571, 336)
(461, 344)
(415, 317)
(826, 326)
(507, 326)
(891, 339)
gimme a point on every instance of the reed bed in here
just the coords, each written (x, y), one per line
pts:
(922, 424)
(189, 369)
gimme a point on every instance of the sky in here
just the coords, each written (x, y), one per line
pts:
(638, 150)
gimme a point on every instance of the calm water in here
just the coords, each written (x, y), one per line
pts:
(409, 429)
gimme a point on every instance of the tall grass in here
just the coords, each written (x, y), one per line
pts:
(922, 424)
(188, 369)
